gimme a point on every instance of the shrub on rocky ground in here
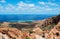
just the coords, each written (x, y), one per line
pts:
(48, 27)
(28, 38)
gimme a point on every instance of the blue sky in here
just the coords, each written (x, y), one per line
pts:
(29, 6)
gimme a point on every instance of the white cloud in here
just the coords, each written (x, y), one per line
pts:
(21, 4)
(41, 3)
(48, 3)
(31, 5)
(10, 8)
(2, 1)
(22, 8)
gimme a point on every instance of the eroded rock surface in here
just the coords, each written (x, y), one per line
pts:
(10, 33)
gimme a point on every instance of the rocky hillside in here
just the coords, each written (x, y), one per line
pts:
(48, 23)
(43, 24)
(13, 33)
(43, 29)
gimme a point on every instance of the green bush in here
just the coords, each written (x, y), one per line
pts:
(28, 38)
(48, 27)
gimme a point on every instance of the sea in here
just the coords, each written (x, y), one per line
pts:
(24, 17)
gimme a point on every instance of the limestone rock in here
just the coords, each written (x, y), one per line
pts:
(10, 33)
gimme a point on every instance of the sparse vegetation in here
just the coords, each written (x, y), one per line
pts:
(30, 31)
(48, 27)
(27, 38)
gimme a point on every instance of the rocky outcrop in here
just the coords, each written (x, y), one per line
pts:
(55, 32)
(37, 30)
(48, 22)
(13, 33)
(10, 33)
(40, 33)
